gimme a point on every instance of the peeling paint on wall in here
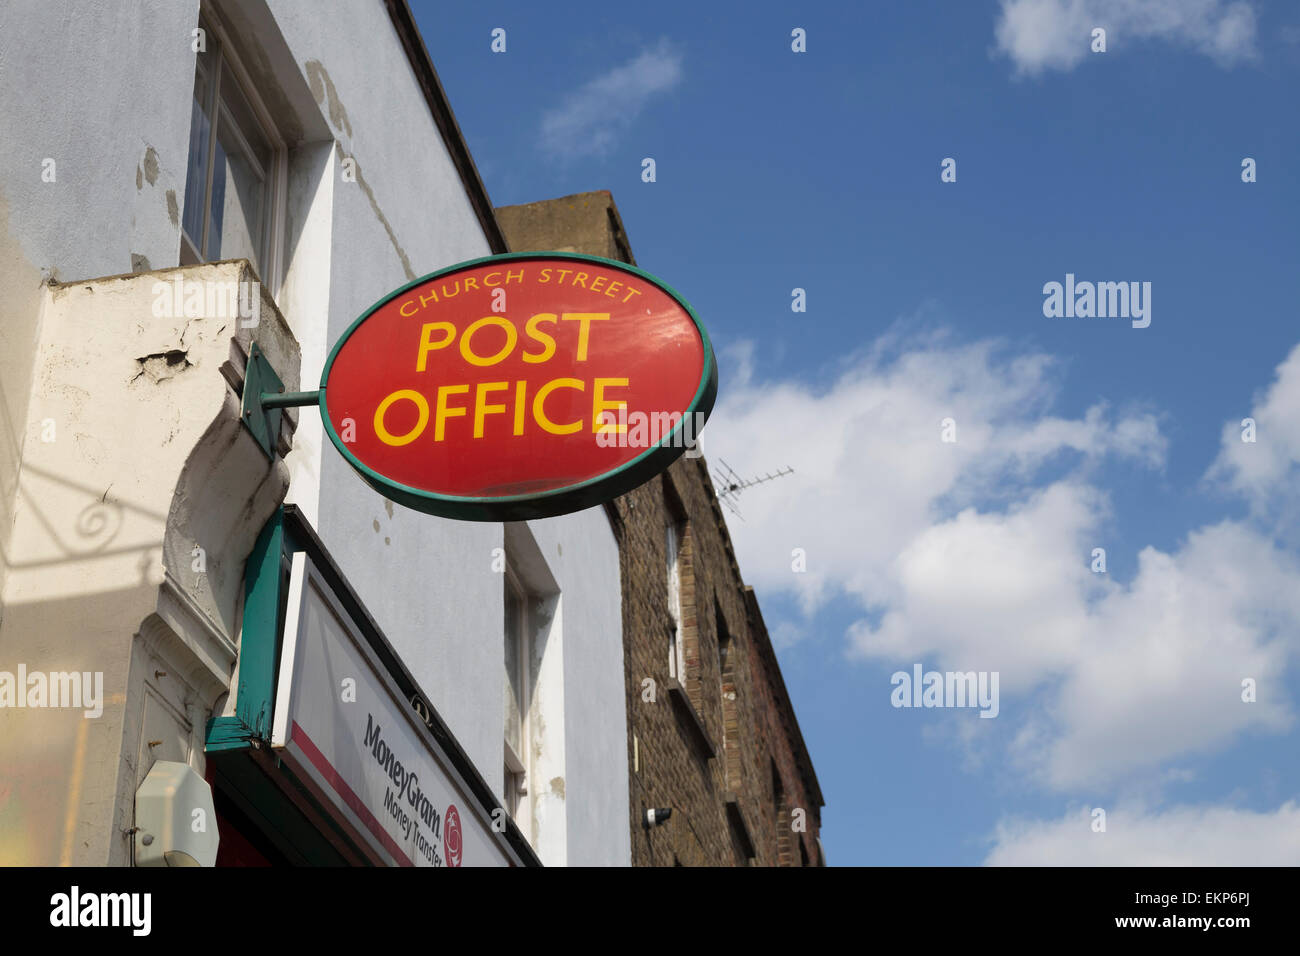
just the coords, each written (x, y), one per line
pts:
(161, 366)
(322, 89)
(383, 220)
(151, 165)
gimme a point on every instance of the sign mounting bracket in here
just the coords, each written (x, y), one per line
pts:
(263, 397)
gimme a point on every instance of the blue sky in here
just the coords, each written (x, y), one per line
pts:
(820, 170)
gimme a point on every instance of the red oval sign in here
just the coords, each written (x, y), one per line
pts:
(519, 386)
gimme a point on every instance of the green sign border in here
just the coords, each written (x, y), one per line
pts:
(558, 501)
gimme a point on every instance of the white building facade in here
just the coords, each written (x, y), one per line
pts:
(304, 159)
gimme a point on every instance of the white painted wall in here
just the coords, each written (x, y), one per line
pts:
(84, 86)
(103, 578)
(104, 88)
(429, 581)
(582, 556)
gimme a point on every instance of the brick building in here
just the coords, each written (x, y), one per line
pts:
(712, 734)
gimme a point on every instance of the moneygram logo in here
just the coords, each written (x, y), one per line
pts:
(451, 836)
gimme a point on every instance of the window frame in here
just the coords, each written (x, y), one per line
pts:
(226, 57)
(728, 707)
(515, 765)
(674, 535)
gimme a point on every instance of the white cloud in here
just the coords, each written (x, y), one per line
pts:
(1136, 675)
(1159, 672)
(995, 592)
(1266, 472)
(870, 470)
(1179, 836)
(591, 118)
(1041, 35)
(975, 556)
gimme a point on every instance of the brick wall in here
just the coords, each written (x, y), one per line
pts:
(710, 753)
(790, 763)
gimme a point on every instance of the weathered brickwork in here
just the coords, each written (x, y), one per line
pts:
(790, 763)
(734, 789)
(586, 222)
(721, 747)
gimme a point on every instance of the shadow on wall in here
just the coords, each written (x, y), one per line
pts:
(19, 314)
(89, 532)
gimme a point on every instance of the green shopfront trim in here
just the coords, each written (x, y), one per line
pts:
(238, 747)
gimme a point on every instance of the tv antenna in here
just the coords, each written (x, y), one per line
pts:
(731, 484)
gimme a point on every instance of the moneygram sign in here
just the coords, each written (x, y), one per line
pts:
(519, 386)
(344, 728)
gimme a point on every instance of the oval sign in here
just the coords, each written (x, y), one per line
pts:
(519, 386)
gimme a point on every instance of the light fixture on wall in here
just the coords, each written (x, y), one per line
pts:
(175, 820)
(654, 817)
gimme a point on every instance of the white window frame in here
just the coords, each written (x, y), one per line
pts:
(270, 269)
(676, 651)
(515, 781)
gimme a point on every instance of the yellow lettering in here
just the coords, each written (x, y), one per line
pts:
(613, 287)
(481, 409)
(538, 336)
(631, 292)
(584, 329)
(521, 387)
(443, 412)
(387, 437)
(539, 411)
(427, 346)
(511, 337)
(599, 406)
(545, 277)
(487, 280)
(596, 283)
